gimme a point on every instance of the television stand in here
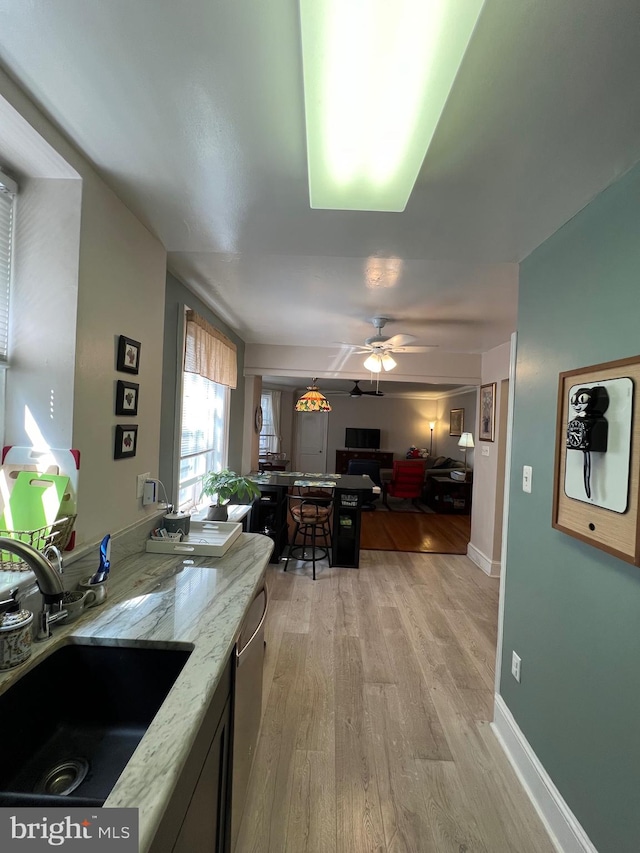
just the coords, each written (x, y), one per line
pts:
(343, 456)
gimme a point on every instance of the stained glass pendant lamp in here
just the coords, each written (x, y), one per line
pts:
(312, 400)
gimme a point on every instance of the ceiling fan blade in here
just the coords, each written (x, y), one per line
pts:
(399, 341)
(415, 349)
(357, 348)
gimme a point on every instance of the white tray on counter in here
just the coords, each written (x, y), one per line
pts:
(206, 539)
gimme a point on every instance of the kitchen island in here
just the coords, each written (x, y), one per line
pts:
(270, 513)
(197, 604)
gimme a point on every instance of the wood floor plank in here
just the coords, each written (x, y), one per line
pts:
(451, 823)
(358, 815)
(395, 755)
(312, 816)
(405, 823)
(269, 791)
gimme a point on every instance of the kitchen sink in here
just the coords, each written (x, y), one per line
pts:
(72, 722)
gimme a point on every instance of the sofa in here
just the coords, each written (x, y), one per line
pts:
(442, 466)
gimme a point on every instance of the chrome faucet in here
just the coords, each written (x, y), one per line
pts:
(48, 580)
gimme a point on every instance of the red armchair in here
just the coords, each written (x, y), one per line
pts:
(407, 481)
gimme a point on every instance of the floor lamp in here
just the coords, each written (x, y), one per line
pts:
(432, 426)
(466, 441)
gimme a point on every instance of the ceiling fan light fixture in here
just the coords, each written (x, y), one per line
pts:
(388, 362)
(373, 363)
(312, 400)
(377, 76)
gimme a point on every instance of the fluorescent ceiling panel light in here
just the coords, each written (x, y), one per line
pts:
(377, 75)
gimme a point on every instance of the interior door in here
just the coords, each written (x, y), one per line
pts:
(311, 442)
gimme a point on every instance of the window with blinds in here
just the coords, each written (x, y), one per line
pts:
(210, 371)
(203, 445)
(8, 188)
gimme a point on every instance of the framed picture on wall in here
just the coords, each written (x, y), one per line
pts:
(128, 359)
(486, 427)
(597, 457)
(456, 421)
(126, 398)
(126, 441)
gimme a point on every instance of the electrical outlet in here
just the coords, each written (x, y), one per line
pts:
(141, 480)
(527, 473)
(516, 664)
(485, 450)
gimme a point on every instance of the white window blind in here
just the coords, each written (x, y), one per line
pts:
(203, 445)
(7, 193)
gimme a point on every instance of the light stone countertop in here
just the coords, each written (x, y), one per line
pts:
(197, 603)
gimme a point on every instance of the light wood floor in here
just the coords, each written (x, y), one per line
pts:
(378, 689)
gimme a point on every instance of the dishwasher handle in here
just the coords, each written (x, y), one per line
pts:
(247, 645)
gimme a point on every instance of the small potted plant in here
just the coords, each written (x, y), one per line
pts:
(223, 485)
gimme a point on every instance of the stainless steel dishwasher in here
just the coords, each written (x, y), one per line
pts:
(247, 704)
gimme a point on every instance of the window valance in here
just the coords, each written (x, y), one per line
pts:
(209, 353)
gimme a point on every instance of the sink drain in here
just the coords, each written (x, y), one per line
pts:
(64, 777)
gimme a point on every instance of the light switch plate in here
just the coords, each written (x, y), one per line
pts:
(485, 450)
(527, 473)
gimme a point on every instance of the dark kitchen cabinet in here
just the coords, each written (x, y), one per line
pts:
(197, 817)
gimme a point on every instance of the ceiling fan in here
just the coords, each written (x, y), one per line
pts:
(379, 347)
(357, 391)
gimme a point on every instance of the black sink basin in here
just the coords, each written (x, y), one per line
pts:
(72, 723)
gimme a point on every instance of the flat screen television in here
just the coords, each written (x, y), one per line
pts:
(360, 438)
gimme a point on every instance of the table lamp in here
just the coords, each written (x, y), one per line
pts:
(466, 441)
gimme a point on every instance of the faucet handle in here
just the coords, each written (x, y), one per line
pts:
(53, 551)
(10, 605)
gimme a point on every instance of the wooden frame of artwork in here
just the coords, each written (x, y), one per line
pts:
(596, 493)
(487, 416)
(126, 441)
(127, 397)
(456, 421)
(128, 355)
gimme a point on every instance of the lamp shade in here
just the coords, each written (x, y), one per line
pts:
(373, 363)
(432, 425)
(312, 400)
(466, 440)
(388, 362)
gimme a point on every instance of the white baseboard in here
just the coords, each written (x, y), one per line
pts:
(489, 567)
(565, 832)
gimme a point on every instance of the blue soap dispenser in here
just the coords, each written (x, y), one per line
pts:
(105, 561)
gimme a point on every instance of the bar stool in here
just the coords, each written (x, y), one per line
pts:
(311, 512)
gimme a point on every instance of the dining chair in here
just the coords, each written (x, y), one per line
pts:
(371, 467)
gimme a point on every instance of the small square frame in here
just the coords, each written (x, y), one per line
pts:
(126, 398)
(126, 441)
(487, 413)
(456, 421)
(128, 360)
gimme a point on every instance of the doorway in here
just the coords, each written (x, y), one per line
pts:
(312, 429)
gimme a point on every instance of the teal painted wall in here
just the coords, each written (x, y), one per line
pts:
(572, 612)
(176, 297)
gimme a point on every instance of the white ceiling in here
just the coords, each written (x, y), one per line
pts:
(193, 112)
